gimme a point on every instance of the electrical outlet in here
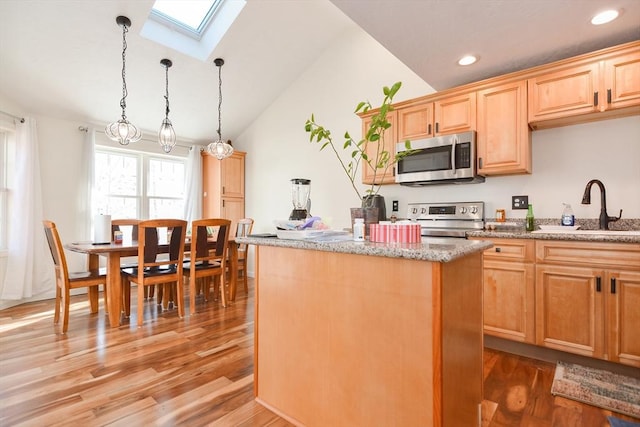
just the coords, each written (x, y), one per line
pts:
(394, 206)
(519, 202)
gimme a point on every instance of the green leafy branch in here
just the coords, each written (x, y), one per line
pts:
(378, 160)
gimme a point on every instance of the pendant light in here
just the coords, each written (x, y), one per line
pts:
(220, 149)
(166, 134)
(122, 131)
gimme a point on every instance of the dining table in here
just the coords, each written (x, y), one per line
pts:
(114, 252)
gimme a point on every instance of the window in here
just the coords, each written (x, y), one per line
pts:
(131, 184)
(190, 16)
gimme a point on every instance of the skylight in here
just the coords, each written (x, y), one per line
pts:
(191, 16)
(193, 27)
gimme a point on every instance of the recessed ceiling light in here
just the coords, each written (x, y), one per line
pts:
(604, 17)
(467, 60)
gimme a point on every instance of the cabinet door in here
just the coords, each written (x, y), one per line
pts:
(508, 300)
(415, 122)
(622, 81)
(233, 175)
(504, 138)
(233, 209)
(568, 92)
(569, 309)
(623, 307)
(388, 145)
(455, 114)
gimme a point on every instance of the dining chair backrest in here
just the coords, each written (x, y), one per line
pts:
(57, 251)
(120, 224)
(149, 245)
(244, 227)
(204, 249)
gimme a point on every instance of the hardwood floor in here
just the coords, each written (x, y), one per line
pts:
(197, 371)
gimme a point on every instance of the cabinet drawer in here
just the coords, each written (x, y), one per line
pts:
(511, 250)
(590, 254)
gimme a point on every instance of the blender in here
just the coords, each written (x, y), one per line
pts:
(300, 190)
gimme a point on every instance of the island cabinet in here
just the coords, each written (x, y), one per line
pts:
(223, 187)
(350, 339)
(503, 138)
(587, 299)
(369, 176)
(424, 119)
(570, 92)
(508, 283)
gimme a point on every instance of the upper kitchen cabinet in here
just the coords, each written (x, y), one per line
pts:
(389, 142)
(425, 119)
(503, 137)
(415, 121)
(455, 114)
(223, 187)
(604, 85)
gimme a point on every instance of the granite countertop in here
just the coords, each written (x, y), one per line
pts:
(604, 236)
(436, 249)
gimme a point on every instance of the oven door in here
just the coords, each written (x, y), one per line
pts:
(449, 157)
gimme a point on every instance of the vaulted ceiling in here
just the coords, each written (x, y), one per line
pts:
(62, 58)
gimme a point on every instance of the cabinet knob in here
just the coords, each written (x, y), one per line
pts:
(498, 249)
(595, 99)
(613, 285)
(608, 96)
(598, 284)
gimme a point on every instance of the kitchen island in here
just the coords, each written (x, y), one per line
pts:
(368, 334)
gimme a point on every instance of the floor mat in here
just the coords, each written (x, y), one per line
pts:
(617, 393)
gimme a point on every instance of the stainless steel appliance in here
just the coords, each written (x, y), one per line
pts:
(447, 219)
(448, 159)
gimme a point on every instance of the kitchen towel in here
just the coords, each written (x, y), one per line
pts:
(102, 229)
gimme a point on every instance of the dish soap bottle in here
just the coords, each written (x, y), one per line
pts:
(567, 215)
(529, 224)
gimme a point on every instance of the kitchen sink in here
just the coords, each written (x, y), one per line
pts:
(590, 232)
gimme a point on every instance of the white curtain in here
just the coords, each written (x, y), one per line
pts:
(193, 185)
(86, 201)
(26, 274)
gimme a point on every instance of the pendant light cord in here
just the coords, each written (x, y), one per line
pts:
(166, 87)
(123, 101)
(220, 102)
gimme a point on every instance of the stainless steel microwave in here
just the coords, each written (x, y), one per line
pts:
(441, 160)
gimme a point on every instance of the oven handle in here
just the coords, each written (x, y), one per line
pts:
(454, 141)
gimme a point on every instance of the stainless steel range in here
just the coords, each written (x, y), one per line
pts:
(447, 219)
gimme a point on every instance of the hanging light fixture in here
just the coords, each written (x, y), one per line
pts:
(220, 149)
(122, 131)
(166, 134)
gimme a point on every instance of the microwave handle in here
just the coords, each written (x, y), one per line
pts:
(454, 141)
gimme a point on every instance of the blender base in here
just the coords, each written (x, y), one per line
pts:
(298, 214)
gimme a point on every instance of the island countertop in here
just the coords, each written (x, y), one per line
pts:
(431, 249)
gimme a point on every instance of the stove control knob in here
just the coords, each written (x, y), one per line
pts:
(414, 211)
(474, 209)
(423, 211)
(463, 210)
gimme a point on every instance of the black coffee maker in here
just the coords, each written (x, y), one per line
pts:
(300, 192)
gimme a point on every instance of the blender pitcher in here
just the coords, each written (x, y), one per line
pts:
(300, 191)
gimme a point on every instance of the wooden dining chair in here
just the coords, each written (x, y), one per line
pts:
(243, 228)
(157, 263)
(65, 280)
(124, 223)
(208, 258)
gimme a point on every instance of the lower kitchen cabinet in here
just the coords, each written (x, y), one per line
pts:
(587, 299)
(508, 290)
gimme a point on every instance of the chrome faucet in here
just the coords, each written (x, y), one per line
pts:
(605, 219)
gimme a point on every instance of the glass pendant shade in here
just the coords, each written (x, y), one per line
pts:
(219, 148)
(123, 131)
(166, 134)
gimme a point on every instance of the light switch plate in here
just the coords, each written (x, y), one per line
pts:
(394, 205)
(519, 202)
